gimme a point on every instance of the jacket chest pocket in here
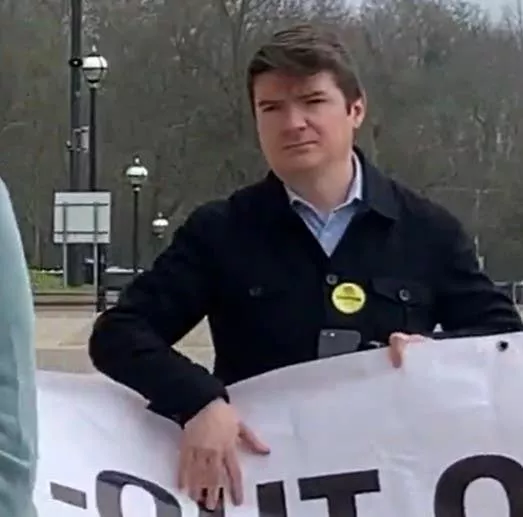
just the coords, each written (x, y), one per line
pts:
(403, 305)
(254, 302)
(262, 295)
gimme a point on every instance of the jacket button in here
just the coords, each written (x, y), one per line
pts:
(404, 295)
(331, 279)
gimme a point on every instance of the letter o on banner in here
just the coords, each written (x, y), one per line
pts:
(109, 486)
(449, 498)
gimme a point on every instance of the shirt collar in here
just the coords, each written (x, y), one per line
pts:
(354, 194)
(379, 193)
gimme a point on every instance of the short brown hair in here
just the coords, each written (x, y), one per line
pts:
(304, 49)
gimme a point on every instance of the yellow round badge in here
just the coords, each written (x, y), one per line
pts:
(348, 298)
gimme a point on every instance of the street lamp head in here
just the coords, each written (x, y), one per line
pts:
(160, 225)
(94, 67)
(136, 173)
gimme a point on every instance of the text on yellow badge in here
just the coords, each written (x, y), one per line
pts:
(348, 298)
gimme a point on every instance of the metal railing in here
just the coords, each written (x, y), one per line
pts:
(513, 289)
(70, 299)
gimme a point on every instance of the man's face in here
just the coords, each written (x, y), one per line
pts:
(304, 124)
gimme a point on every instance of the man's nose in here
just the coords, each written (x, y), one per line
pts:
(294, 119)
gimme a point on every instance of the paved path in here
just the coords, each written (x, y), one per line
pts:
(61, 338)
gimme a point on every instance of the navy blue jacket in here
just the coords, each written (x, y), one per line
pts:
(251, 265)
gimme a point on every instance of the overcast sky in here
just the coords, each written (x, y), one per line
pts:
(494, 6)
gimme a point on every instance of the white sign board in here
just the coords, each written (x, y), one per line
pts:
(82, 218)
(350, 437)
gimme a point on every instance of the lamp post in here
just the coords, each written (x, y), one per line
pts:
(137, 175)
(74, 257)
(159, 227)
(94, 67)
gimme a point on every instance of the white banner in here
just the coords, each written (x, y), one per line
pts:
(350, 437)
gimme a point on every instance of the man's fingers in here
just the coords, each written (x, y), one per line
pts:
(201, 472)
(252, 442)
(397, 343)
(205, 473)
(234, 475)
(196, 493)
(212, 498)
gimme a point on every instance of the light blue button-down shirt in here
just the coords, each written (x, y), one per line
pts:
(329, 228)
(18, 417)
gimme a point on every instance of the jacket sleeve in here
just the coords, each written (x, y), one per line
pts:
(132, 342)
(18, 414)
(468, 302)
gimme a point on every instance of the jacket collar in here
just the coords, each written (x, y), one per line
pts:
(378, 191)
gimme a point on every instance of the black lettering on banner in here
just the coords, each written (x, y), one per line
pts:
(69, 496)
(271, 500)
(340, 490)
(449, 498)
(109, 486)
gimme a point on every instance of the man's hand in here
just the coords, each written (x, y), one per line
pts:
(208, 456)
(397, 343)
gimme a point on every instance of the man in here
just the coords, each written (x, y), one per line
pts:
(325, 241)
(18, 413)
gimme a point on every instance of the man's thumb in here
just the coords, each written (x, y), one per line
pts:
(251, 441)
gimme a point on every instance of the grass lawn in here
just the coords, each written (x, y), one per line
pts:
(42, 281)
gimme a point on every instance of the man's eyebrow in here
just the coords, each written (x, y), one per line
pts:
(267, 102)
(309, 95)
(315, 93)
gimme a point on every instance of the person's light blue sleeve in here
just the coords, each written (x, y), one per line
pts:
(18, 411)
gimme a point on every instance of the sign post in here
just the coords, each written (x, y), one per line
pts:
(83, 218)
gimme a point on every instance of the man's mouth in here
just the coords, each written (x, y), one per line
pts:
(298, 145)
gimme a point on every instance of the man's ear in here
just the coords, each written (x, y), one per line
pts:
(357, 110)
